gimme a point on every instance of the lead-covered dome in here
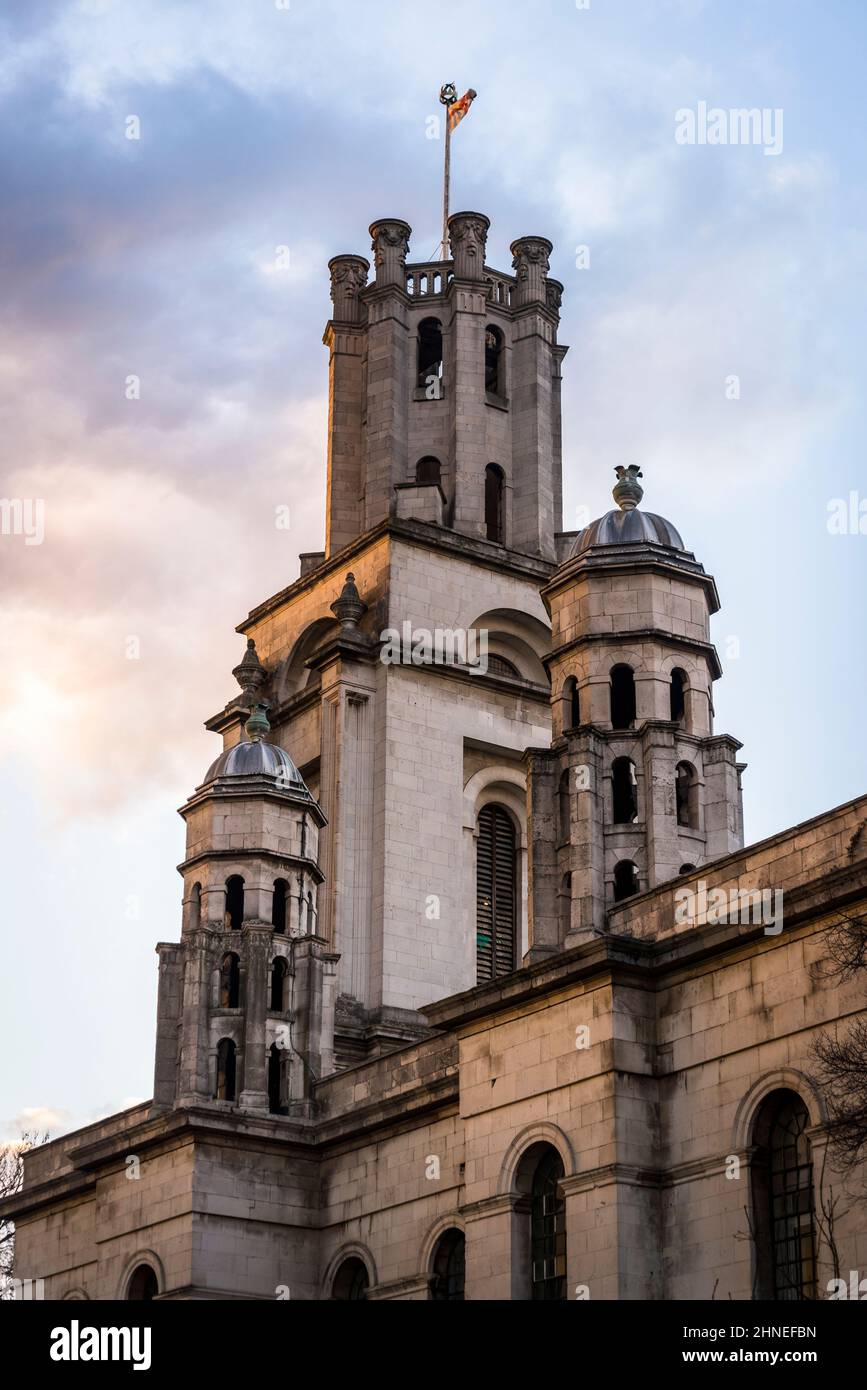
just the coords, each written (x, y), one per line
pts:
(255, 757)
(627, 525)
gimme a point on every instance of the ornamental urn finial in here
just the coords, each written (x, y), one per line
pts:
(627, 491)
(250, 673)
(257, 727)
(349, 605)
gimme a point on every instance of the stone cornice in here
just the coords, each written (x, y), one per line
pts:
(637, 634)
(424, 534)
(271, 855)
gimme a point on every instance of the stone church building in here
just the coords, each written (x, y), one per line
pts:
(478, 993)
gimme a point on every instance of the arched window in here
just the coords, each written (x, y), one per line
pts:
(279, 972)
(142, 1286)
(496, 894)
(571, 704)
(677, 694)
(428, 470)
(565, 905)
(195, 906)
(311, 916)
(548, 1229)
(278, 905)
(686, 869)
(230, 981)
(686, 795)
(622, 697)
(564, 811)
(625, 880)
(494, 503)
(234, 902)
(782, 1189)
(625, 791)
(499, 666)
(225, 1069)
(430, 355)
(351, 1281)
(494, 383)
(449, 1265)
(275, 1080)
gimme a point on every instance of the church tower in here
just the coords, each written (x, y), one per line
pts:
(246, 1000)
(444, 399)
(443, 507)
(636, 788)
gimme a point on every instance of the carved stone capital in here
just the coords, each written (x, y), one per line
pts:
(554, 294)
(531, 262)
(348, 279)
(468, 238)
(390, 243)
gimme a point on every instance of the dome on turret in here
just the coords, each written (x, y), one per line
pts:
(255, 757)
(627, 525)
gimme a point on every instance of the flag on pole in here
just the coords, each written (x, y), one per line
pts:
(459, 109)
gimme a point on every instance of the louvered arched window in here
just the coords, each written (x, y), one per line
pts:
(496, 894)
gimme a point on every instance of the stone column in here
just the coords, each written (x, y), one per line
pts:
(390, 360)
(468, 422)
(543, 775)
(587, 855)
(495, 1267)
(723, 818)
(169, 1003)
(257, 942)
(194, 1081)
(313, 1033)
(345, 339)
(536, 501)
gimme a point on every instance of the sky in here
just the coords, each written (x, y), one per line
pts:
(163, 393)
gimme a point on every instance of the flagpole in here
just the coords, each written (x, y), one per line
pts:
(448, 95)
(446, 177)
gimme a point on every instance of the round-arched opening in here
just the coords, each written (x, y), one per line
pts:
(494, 502)
(428, 470)
(781, 1174)
(448, 1267)
(279, 976)
(276, 1102)
(496, 893)
(143, 1285)
(686, 796)
(234, 902)
(543, 1248)
(226, 1070)
(351, 1282)
(494, 383)
(625, 880)
(230, 981)
(430, 357)
(622, 697)
(278, 905)
(677, 695)
(571, 704)
(624, 788)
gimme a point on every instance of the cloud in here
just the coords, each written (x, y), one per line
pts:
(38, 1120)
